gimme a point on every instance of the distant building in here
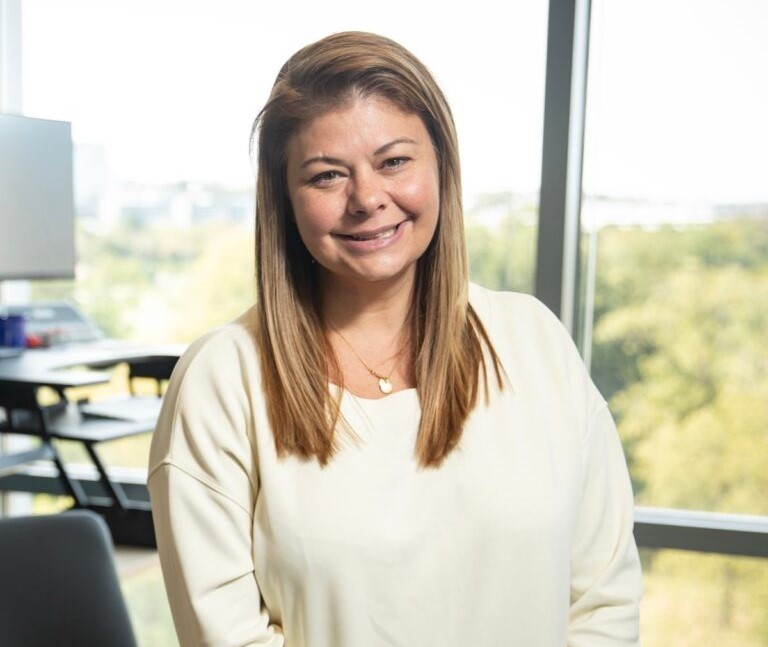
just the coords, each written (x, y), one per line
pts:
(97, 191)
(185, 204)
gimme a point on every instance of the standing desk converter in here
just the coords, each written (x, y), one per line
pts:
(87, 423)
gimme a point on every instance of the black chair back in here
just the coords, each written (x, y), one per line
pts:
(58, 583)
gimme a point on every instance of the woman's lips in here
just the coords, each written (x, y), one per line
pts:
(367, 241)
(375, 234)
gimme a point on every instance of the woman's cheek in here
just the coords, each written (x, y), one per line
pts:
(420, 195)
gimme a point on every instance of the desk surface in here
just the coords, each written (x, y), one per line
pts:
(46, 366)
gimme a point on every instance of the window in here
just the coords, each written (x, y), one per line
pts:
(694, 599)
(675, 224)
(161, 97)
(674, 282)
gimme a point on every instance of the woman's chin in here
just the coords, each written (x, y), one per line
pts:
(373, 274)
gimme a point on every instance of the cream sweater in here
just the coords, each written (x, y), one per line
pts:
(523, 538)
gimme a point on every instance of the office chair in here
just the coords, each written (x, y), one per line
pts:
(158, 369)
(58, 583)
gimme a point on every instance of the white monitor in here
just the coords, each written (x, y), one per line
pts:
(37, 214)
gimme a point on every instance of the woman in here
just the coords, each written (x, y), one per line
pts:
(378, 453)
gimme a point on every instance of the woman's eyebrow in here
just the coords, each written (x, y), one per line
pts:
(399, 140)
(325, 159)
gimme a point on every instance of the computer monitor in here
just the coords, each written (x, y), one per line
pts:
(37, 214)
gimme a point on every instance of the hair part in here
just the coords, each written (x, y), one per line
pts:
(450, 345)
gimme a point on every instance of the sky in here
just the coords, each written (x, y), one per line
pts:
(676, 98)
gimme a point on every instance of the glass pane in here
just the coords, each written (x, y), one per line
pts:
(702, 600)
(161, 100)
(142, 584)
(161, 97)
(675, 246)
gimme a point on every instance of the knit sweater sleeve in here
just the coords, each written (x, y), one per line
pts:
(606, 578)
(605, 572)
(203, 486)
(606, 582)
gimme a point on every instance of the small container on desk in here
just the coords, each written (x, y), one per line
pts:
(13, 331)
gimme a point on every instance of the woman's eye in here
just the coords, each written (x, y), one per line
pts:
(325, 177)
(395, 162)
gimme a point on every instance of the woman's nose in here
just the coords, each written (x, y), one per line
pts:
(367, 194)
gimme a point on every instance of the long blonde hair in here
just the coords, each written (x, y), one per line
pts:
(449, 341)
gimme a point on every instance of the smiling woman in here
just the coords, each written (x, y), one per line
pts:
(356, 139)
(378, 453)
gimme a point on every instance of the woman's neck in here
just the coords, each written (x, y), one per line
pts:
(367, 327)
(375, 307)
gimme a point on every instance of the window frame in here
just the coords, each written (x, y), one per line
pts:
(557, 266)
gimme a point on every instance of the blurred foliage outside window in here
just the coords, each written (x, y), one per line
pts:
(680, 350)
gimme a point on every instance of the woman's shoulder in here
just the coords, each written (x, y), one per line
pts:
(533, 344)
(209, 388)
(514, 311)
(228, 345)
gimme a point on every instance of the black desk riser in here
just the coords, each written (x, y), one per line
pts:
(22, 376)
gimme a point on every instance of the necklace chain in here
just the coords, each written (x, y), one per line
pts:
(385, 382)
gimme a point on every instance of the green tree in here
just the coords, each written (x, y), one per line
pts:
(501, 256)
(680, 342)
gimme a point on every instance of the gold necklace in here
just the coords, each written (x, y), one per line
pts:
(385, 382)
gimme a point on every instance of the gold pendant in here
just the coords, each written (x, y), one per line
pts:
(385, 386)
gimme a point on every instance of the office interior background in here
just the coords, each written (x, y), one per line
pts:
(614, 162)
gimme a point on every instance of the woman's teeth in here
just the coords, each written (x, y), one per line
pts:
(382, 234)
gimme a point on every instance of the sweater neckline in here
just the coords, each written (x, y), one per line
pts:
(402, 394)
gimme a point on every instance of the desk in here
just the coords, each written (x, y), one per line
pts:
(47, 366)
(22, 376)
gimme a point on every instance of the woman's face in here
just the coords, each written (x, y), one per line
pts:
(364, 185)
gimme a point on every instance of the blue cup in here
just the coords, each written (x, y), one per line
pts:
(13, 331)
